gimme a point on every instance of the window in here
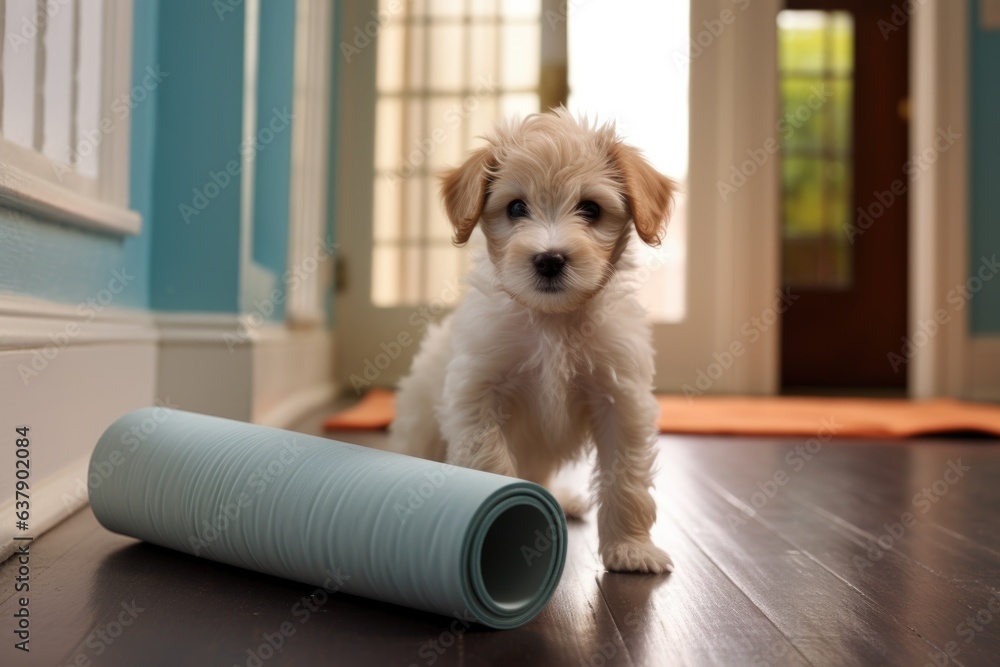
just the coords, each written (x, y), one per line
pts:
(447, 71)
(65, 72)
(815, 71)
(615, 81)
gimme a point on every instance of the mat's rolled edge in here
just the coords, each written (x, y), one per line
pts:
(513, 556)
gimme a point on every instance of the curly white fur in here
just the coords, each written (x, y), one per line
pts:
(527, 373)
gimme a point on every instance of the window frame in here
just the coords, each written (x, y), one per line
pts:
(30, 182)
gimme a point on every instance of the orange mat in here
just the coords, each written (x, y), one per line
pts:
(782, 415)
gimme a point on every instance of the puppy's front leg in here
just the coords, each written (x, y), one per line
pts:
(624, 431)
(472, 427)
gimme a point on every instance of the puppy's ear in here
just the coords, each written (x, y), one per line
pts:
(464, 191)
(649, 193)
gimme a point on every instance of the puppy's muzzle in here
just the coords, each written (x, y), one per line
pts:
(549, 264)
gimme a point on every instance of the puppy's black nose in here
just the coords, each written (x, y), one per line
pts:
(549, 264)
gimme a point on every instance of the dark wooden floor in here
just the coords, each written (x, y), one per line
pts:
(816, 568)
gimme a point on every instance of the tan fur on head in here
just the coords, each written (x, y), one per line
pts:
(650, 194)
(556, 165)
(464, 192)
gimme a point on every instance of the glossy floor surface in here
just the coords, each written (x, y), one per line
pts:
(788, 552)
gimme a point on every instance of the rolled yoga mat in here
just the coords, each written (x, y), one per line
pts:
(417, 533)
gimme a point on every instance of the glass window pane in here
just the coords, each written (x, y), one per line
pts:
(521, 55)
(816, 52)
(19, 73)
(89, 81)
(444, 136)
(842, 43)
(391, 57)
(388, 134)
(802, 124)
(447, 57)
(801, 41)
(841, 114)
(802, 188)
(59, 83)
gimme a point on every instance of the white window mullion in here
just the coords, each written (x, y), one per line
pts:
(74, 86)
(3, 31)
(38, 126)
(309, 164)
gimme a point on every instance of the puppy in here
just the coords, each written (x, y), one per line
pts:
(548, 354)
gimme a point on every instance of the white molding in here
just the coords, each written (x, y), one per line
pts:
(983, 369)
(34, 323)
(24, 191)
(115, 160)
(938, 199)
(196, 327)
(251, 58)
(308, 183)
(52, 501)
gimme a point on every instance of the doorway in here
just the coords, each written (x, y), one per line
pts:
(844, 88)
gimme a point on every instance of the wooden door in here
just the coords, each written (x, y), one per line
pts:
(849, 271)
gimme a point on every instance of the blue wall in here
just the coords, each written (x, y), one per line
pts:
(273, 163)
(196, 201)
(984, 203)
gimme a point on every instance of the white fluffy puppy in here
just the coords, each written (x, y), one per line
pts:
(548, 354)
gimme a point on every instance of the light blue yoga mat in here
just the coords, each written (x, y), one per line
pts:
(417, 533)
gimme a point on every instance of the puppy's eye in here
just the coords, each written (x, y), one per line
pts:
(517, 209)
(589, 211)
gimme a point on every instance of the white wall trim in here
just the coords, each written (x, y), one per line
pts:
(52, 501)
(983, 369)
(938, 199)
(24, 191)
(307, 216)
(26, 322)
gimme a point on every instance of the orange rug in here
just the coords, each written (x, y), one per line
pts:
(780, 415)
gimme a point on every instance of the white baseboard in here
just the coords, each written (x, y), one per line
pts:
(66, 373)
(982, 373)
(54, 499)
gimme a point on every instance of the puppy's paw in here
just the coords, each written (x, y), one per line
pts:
(643, 557)
(574, 504)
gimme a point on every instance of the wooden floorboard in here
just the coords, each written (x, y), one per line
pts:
(781, 589)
